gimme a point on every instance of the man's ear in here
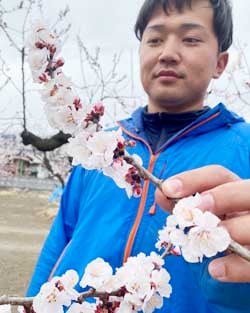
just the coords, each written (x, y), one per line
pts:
(221, 64)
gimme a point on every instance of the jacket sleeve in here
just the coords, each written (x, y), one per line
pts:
(221, 297)
(60, 233)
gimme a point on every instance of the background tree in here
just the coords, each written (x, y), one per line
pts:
(97, 83)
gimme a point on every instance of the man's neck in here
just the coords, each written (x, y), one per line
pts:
(173, 108)
(161, 126)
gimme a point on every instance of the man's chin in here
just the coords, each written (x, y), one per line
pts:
(166, 104)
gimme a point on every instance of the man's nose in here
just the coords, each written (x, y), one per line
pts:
(170, 52)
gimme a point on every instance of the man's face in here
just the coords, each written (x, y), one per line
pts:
(178, 58)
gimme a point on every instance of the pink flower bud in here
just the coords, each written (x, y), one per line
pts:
(120, 145)
(99, 108)
(52, 48)
(39, 45)
(137, 190)
(77, 103)
(59, 63)
(59, 285)
(43, 78)
(131, 143)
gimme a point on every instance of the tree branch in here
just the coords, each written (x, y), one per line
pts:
(44, 144)
(16, 300)
(49, 167)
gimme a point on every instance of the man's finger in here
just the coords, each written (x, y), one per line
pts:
(198, 180)
(190, 182)
(231, 268)
(228, 198)
(238, 228)
(164, 202)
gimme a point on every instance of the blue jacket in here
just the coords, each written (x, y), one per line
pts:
(96, 218)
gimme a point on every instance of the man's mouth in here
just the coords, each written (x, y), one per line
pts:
(168, 73)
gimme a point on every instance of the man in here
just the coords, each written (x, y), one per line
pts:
(183, 46)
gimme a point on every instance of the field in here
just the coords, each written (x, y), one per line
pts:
(24, 222)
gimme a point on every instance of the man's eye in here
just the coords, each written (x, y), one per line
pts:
(191, 40)
(154, 41)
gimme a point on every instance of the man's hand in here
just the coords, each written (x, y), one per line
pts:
(227, 196)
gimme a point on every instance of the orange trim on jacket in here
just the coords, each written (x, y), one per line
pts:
(135, 227)
(153, 159)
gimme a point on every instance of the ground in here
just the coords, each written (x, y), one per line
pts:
(24, 222)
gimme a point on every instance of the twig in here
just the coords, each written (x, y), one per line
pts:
(144, 173)
(92, 293)
(49, 167)
(16, 300)
(23, 88)
(236, 248)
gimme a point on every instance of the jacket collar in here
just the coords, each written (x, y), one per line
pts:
(217, 117)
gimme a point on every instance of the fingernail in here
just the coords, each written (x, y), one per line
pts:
(173, 186)
(207, 202)
(217, 269)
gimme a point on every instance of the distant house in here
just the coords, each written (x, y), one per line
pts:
(21, 165)
(28, 166)
(19, 160)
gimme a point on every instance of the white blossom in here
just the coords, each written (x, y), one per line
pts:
(77, 149)
(38, 58)
(64, 118)
(98, 273)
(156, 260)
(160, 281)
(140, 278)
(43, 34)
(102, 145)
(38, 61)
(6, 308)
(63, 96)
(84, 307)
(193, 232)
(186, 210)
(165, 234)
(69, 280)
(155, 302)
(125, 307)
(21, 309)
(57, 293)
(207, 238)
(94, 151)
(117, 171)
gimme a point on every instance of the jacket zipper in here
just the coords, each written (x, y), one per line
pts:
(153, 159)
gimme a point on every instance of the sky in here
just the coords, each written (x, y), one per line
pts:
(106, 24)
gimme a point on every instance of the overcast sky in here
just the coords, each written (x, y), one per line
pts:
(108, 24)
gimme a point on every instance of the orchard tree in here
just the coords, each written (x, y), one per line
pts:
(96, 84)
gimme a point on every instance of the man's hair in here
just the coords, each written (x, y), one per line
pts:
(222, 17)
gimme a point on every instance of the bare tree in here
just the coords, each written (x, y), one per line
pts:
(17, 39)
(236, 89)
(104, 85)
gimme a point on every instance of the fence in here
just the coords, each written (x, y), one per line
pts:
(27, 183)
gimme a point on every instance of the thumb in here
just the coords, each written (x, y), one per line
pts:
(230, 268)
